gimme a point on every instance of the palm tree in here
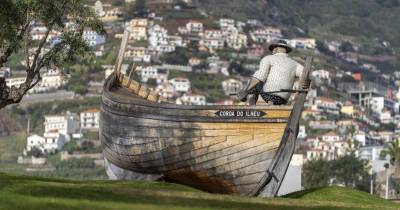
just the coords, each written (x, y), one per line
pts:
(393, 149)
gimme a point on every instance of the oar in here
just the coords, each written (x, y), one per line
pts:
(279, 91)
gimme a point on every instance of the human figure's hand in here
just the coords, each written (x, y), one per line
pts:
(242, 95)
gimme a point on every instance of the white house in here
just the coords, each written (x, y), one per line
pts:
(180, 84)
(138, 54)
(302, 132)
(98, 9)
(225, 23)
(16, 81)
(192, 99)
(151, 72)
(322, 75)
(330, 137)
(377, 104)
(212, 43)
(92, 38)
(303, 43)
(90, 119)
(266, 35)
(158, 36)
(52, 79)
(137, 28)
(49, 143)
(231, 86)
(194, 26)
(237, 41)
(67, 124)
(165, 90)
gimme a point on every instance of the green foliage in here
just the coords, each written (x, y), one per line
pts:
(136, 9)
(71, 146)
(346, 170)
(179, 57)
(76, 163)
(23, 192)
(316, 173)
(210, 85)
(393, 150)
(12, 146)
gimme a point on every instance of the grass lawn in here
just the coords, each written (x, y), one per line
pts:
(23, 192)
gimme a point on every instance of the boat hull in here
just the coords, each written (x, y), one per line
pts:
(192, 145)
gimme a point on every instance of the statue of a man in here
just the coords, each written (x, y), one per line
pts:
(277, 71)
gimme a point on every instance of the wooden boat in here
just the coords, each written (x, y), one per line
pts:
(242, 150)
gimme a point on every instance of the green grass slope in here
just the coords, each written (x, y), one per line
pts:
(23, 192)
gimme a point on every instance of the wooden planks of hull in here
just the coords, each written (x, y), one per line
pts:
(190, 145)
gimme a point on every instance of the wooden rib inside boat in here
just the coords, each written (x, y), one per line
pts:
(242, 149)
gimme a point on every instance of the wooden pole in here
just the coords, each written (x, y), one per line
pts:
(122, 49)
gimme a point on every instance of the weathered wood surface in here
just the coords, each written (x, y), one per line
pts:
(192, 145)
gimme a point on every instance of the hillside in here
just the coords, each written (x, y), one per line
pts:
(366, 22)
(22, 192)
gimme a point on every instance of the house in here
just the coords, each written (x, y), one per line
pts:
(216, 34)
(137, 28)
(158, 36)
(51, 80)
(326, 105)
(66, 124)
(347, 108)
(225, 23)
(194, 61)
(180, 84)
(151, 72)
(327, 150)
(16, 81)
(373, 155)
(266, 35)
(98, 9)
(321, 76)
(231, 86)
(90, 119)
(192, 99)
(322, 125)
(330, 137)
(176, 41)
(303, 43)
(166, 90)
(237, 41)
(194, 26)
(92, 38)
(51, 142)
(302, 132)
(212, 43)
(138, 54)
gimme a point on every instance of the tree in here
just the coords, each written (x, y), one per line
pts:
(349, 170)
(316, 173)
(137, 9)
(393, 150)
(17, 20)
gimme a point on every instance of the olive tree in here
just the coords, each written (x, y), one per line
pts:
(68, 18)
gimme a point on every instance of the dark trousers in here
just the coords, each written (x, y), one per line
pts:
(258, 90)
